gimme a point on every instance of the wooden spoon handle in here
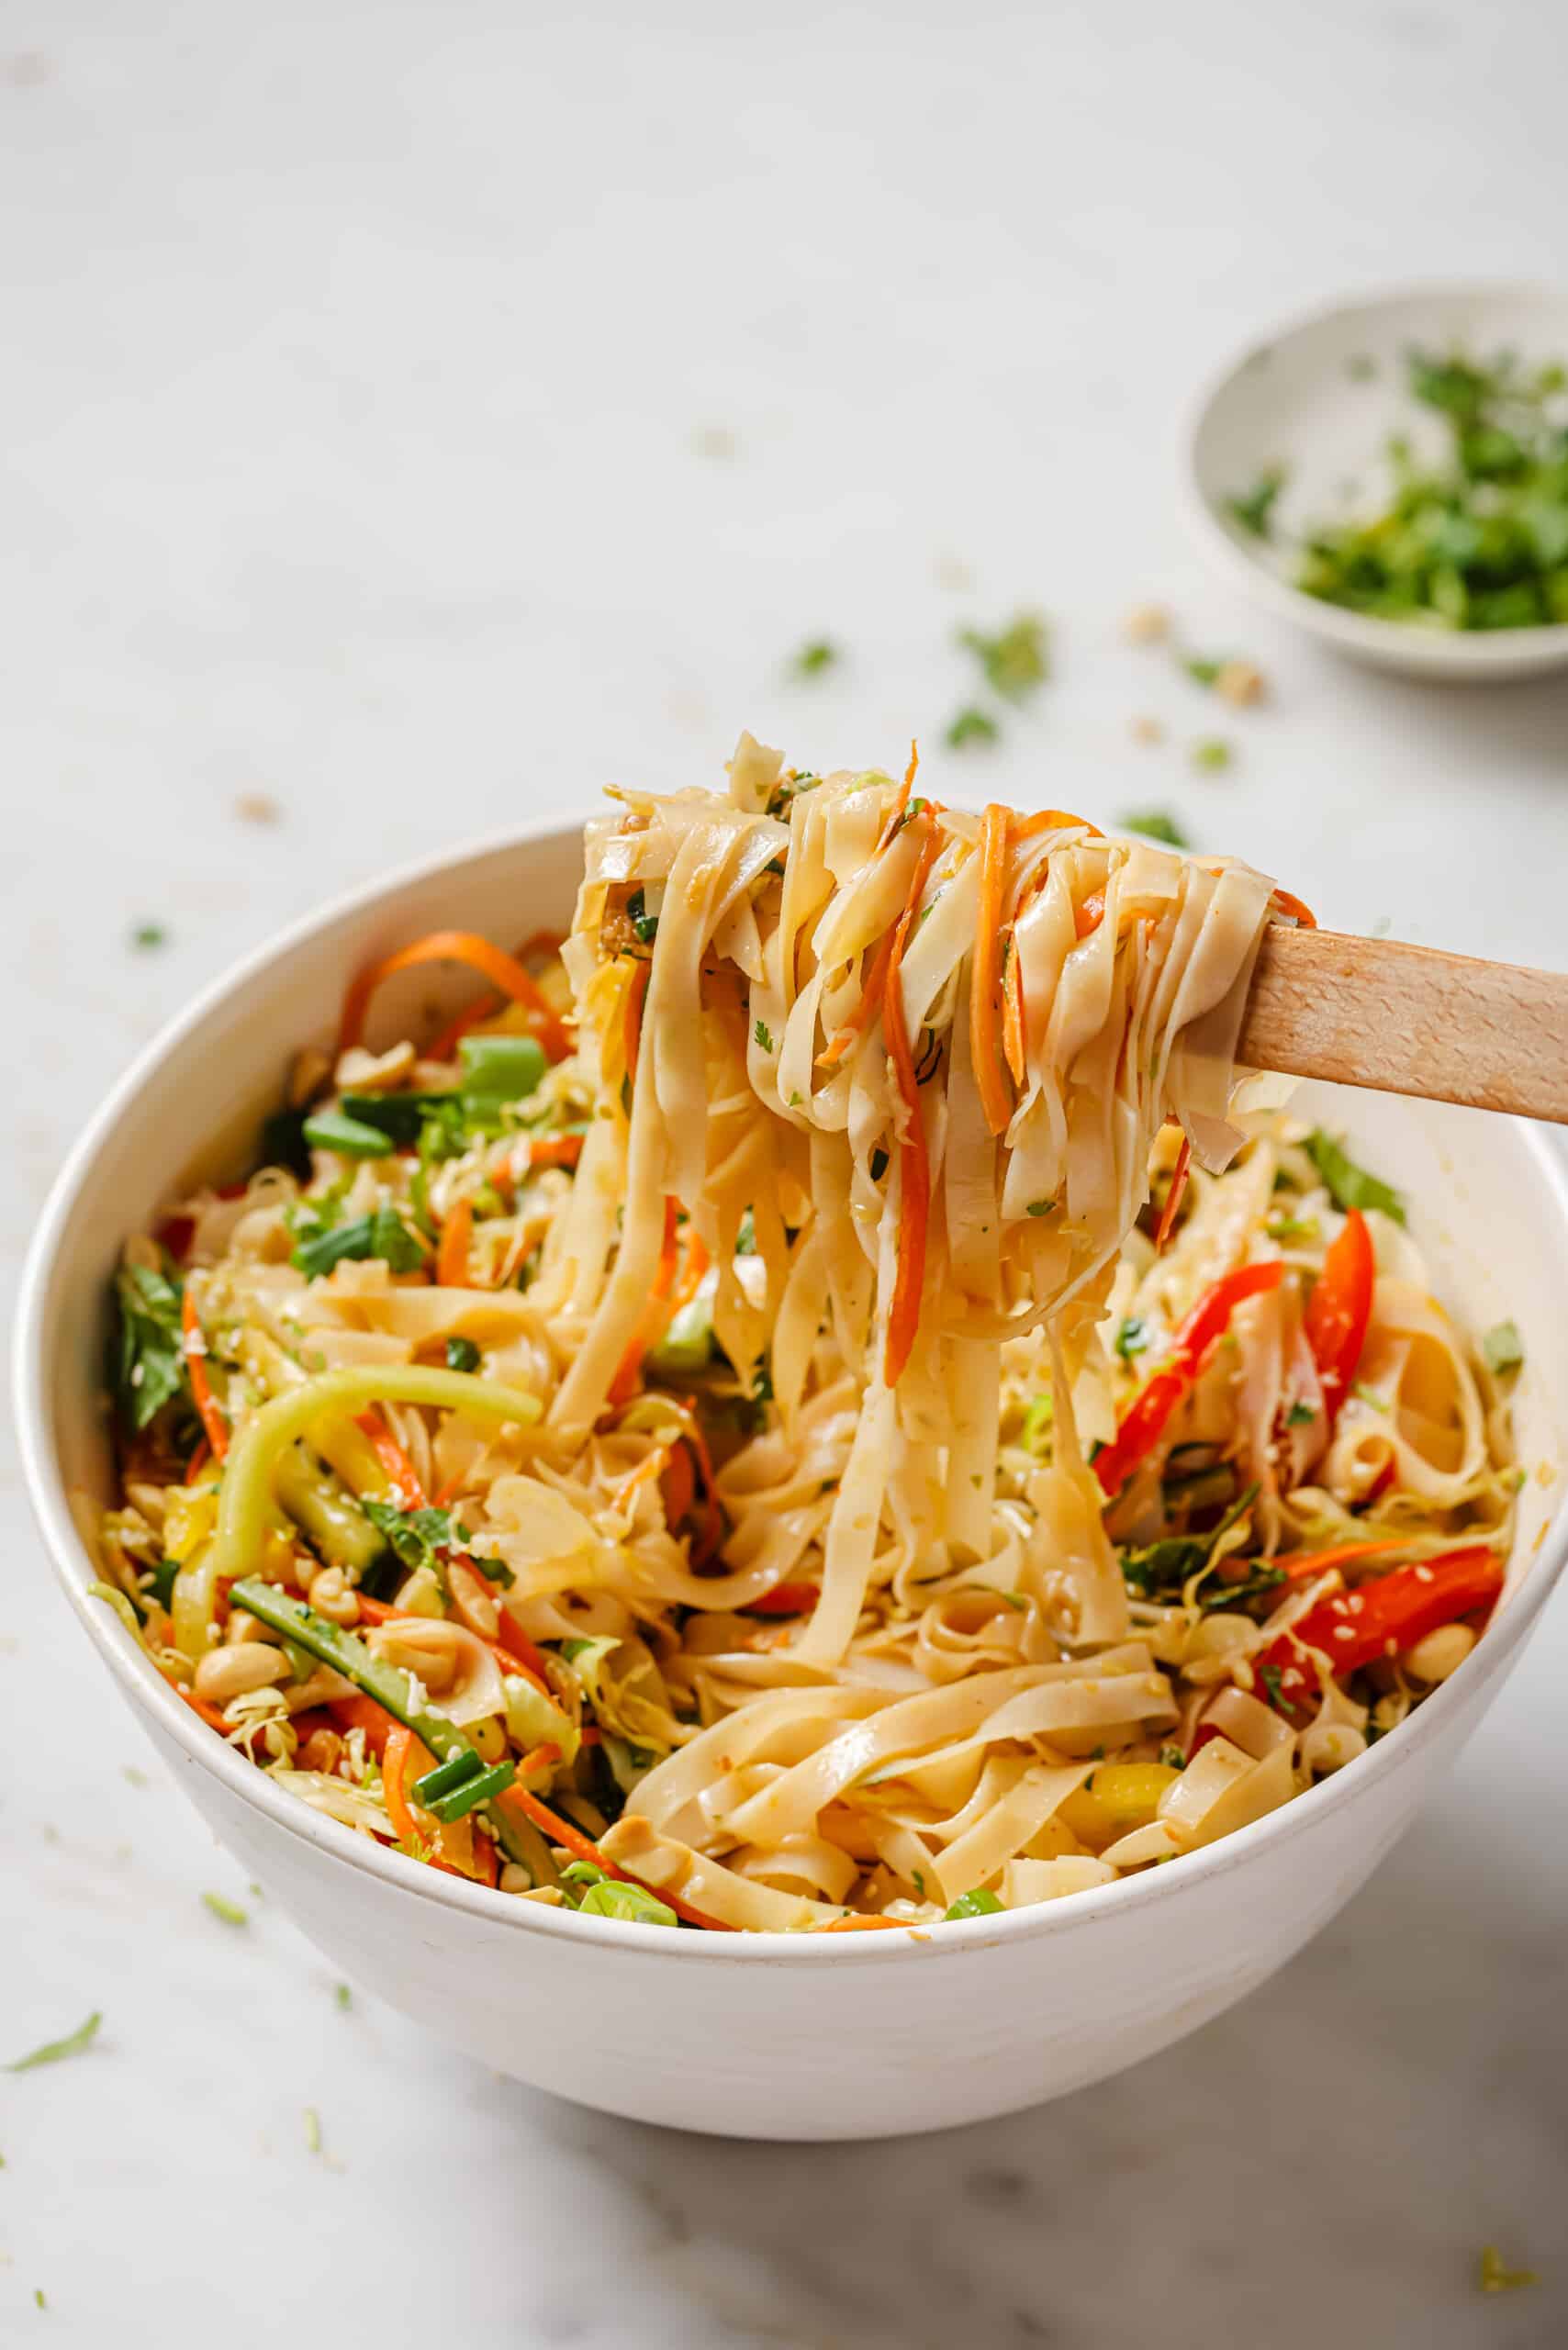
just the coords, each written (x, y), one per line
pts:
(1409, 1020)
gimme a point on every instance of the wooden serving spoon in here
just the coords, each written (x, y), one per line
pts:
(1409, 1020)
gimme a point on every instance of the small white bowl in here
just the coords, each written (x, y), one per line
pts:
(1320, 396)
(767, 2035)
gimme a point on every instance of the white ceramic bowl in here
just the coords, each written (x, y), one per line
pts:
(1300, 397)
(773, 2035)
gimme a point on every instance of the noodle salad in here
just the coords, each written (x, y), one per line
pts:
(822, 1400)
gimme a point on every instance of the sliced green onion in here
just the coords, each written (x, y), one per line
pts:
(977, 1904)
(473, 1792)
(456, 1772)
(502, 1069)
(332, 1130)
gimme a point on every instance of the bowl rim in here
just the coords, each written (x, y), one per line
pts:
(1436, 650)
(148, 1693)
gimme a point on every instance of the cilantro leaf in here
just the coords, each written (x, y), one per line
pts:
(1350, 1186)
(970, 725)
(813, 658)
(149, 1362)
(1155, 825)
(764, 1037)
(416, 1536)
(1016, 659)
(462, 1354)
(1132, 1339)
(1254, 508)
(319, 1245)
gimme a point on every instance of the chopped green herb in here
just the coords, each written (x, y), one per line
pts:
(332, 1130)
(1038, 1420)
(1155, 825)
(462, 1354)
(343, 1996)
(40, 2300)
(970, 725)
(1350, 1186)
(795, 1098)
(313, 2131)
(1293, 1227)
(1172, 1758)
(918, 1881)
(1501, 1347)
(1039, 1207)
(646, 926)
(418, 1536)
(1272, 1677)
(977, 1904)
(813, 658)
(763, 1038)
(53, 2050)
(318, 1246)
(1476, 539)
(230, 1911)
(1159, 1568)
(1300, 1416)
(148, 935)
(149, 1364)
(1368, 1395)
(1132, 1339)
(1254, 508)
(1213, 753)
(1200, 669)
(399, 1116)
(1014, 659)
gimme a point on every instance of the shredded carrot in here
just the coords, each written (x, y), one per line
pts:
(555, 1150)
(198, 1462)
(696, 1265)
(699, 1444)
(500, 968)
(1318, 1562)
(401, 1471)
(401, 1744)
(650, 1467)
(452, 1256)
(633, 1033)
(583, 1848)
(1012, 1014)
(678, 1484)
(539, 1758)
(1088, 917)
(914, 1168)
(445, 1042)
(1053, 819)
(487, 1867)
(623, 1385)
(209, 1714)
(900, 801)
(993, 848)
(1173, 1196)
(862, 1924)
(195, 1346)
(870, 1004)
(1289, 903)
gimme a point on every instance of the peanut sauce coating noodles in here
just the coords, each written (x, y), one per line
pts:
(823, 1399)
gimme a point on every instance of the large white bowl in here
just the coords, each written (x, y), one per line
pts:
(1299, 398)
(773, 2035)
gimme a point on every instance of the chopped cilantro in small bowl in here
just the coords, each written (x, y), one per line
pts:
(1393, 476)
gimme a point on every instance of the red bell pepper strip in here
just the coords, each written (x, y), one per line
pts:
(1340, 1308)
(785, 1599)
(1380, 1619)
(1144, 1420)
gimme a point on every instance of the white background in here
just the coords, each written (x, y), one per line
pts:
(360, 375)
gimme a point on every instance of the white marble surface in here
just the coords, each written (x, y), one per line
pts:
(356, 358)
